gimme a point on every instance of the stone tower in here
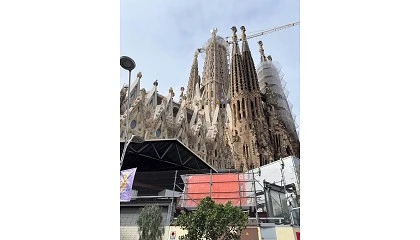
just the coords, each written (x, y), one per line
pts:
(251, 146)
(194, 80)
(215, 73)
(207, 99)
(215, 84)
(282, 129)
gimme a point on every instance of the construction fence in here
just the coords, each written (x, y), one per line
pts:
(237, 188)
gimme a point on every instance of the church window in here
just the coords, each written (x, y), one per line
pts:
(239, 110)
(133, 124)
(158, 133)
(243, 108)
(234, 113)
(252, 109)
(256, 106)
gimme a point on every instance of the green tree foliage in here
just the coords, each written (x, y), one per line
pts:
(149, 223)
(213, 221)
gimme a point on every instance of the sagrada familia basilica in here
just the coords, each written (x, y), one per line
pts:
(233, 116)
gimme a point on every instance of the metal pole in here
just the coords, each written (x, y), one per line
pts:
(255, 195)
(125, 149)
(127, 118)
(168, 219)
(240, 192)
(284, 186)
(128, 64)
(128, 106)
(282, 177)
(211, 183)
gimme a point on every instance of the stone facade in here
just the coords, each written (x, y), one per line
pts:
(223, 116)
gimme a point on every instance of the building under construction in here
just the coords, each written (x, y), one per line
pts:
(233, 116)
(170, 175)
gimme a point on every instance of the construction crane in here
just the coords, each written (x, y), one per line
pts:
(259, 33)
(255, 34)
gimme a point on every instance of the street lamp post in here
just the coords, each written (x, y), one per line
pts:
(283, 179)
(128, 64)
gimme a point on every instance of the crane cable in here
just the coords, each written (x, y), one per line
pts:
(263, 32)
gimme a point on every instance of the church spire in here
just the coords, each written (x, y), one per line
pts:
(235, 48)
(194, 78)
(248, 63)
(245, 46)
(236, 76)
(215, 73)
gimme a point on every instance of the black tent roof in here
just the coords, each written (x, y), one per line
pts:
(162, 155)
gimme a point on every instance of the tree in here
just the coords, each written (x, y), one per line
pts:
(149, 223)
(213, 221)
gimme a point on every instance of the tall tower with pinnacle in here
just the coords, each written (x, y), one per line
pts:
(251, 147)
(282, 127)
(215, 73)
(207, 99)
(194, 79)
(215, 84)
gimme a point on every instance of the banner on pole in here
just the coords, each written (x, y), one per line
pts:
(126, 184)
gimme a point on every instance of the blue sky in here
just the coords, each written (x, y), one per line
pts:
(162, 35)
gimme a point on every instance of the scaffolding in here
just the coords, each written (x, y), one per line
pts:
(270, 76)
(265, 202)
(180, 190)
(236, 188)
